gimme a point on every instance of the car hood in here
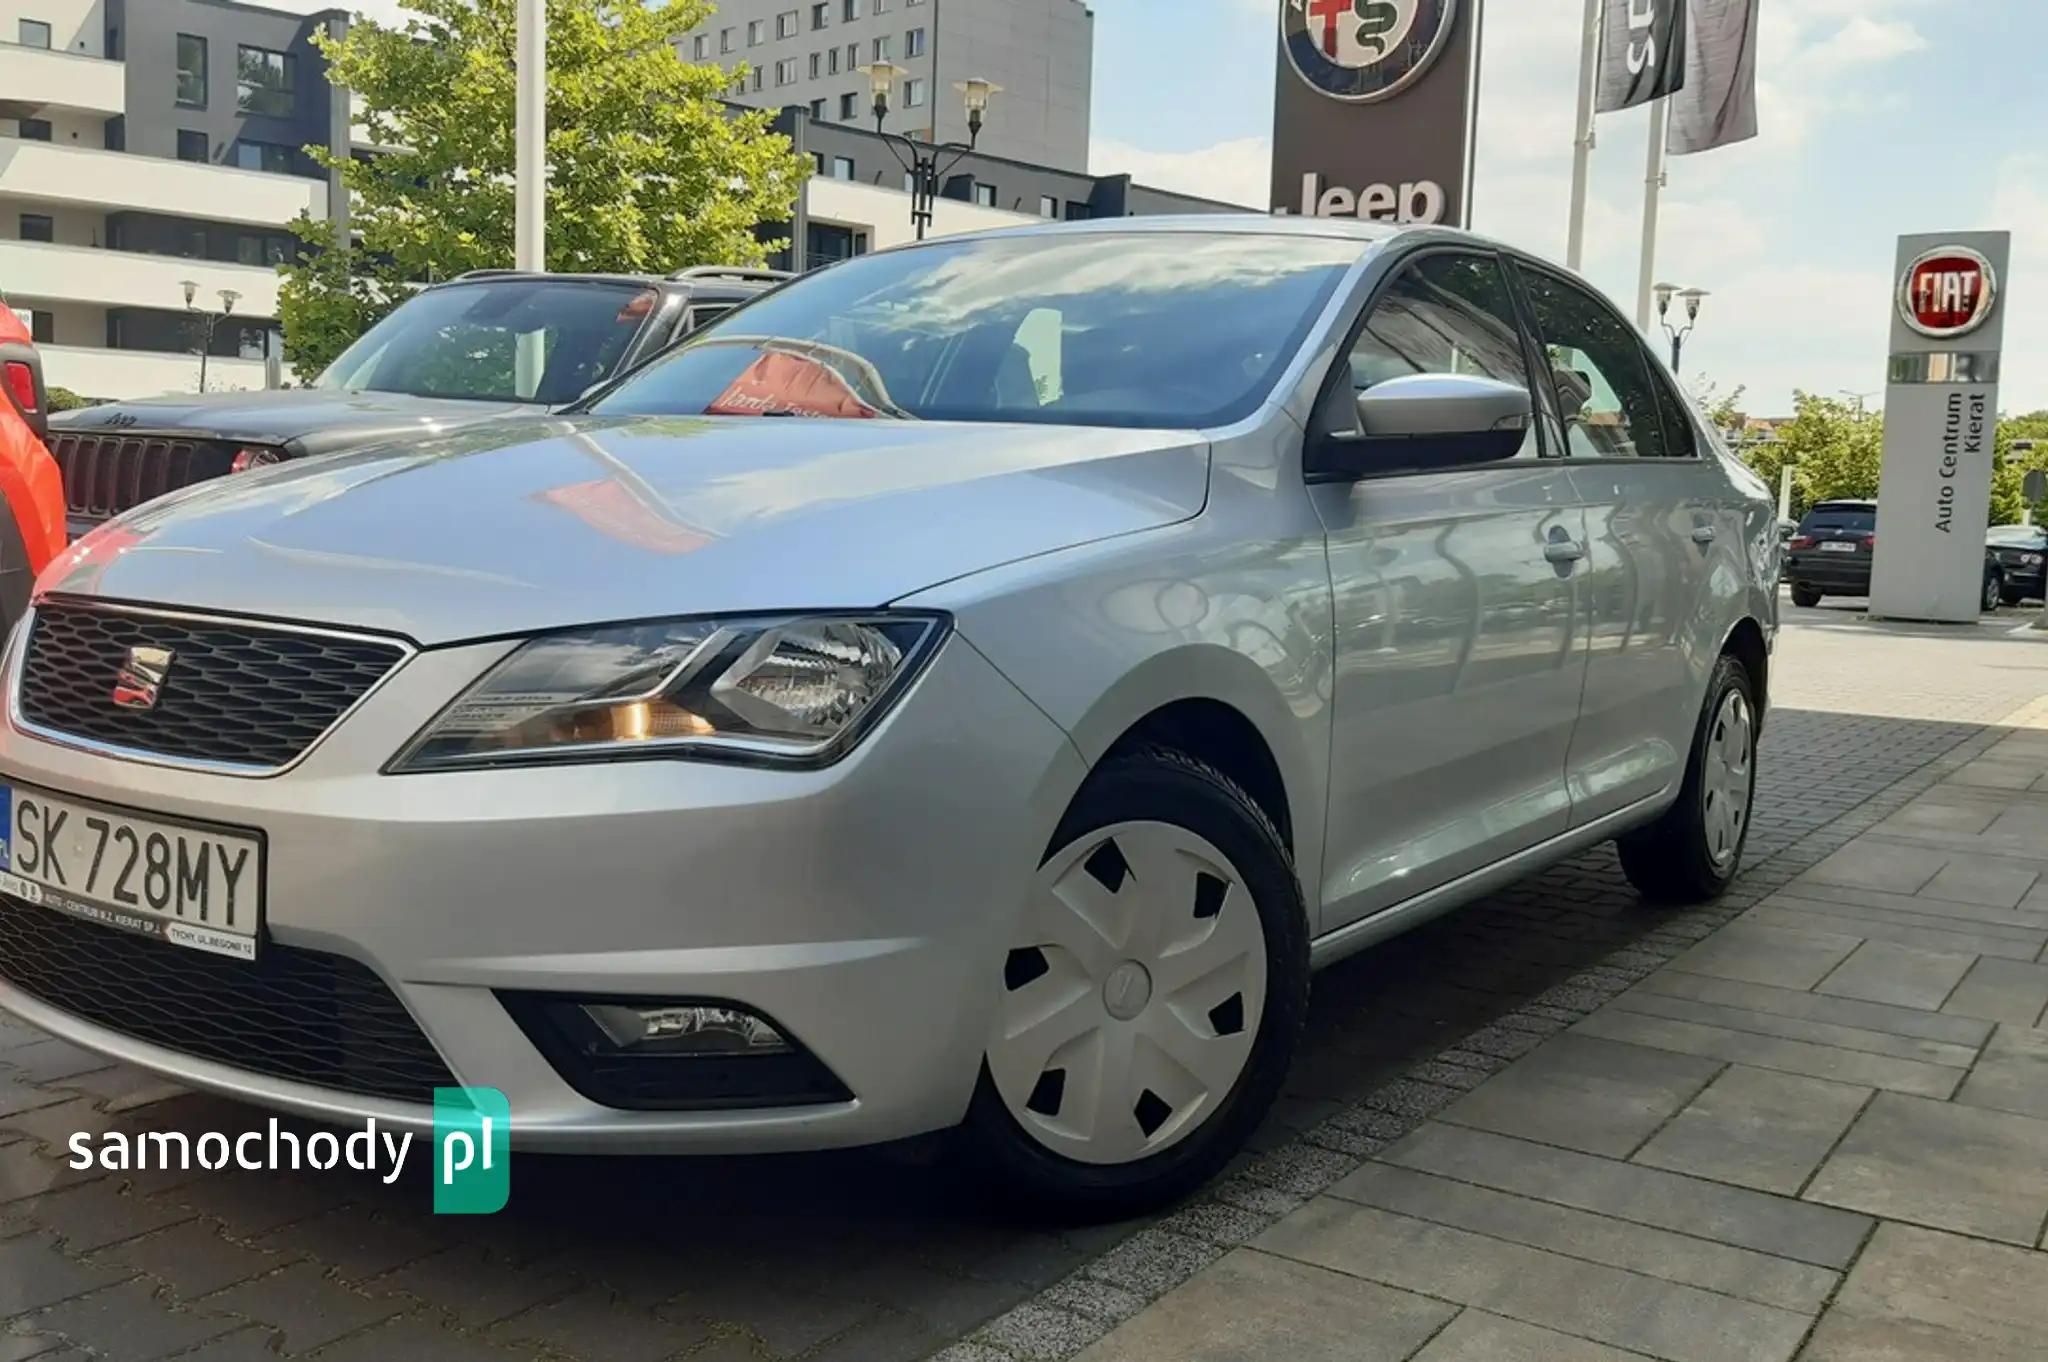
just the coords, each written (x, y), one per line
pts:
(539, 523)
(304, 420)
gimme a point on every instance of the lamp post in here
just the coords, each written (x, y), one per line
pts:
(228, 299)
(1692, 298)
(922, 163)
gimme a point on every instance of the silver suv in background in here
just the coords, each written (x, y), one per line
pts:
(973, 688)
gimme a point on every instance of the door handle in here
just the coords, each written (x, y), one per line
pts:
(1563, 551)
(1703, 534)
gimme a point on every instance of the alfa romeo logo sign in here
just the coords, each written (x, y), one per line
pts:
(1361, 51)
(1948, 291)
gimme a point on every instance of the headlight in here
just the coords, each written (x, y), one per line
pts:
(797, 690)
(2030, 560)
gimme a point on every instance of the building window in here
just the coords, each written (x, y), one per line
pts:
(266, 82)
(270, 157)
(191, 71)
(852, 10)
(832, 62)
(913, 93)
(785, 71)
(818, 161)
(38, 227)
(34, 129)
(191, 145)
(818, 110)
(700, 47)
(984, 194)
(757, 32)
(913, 43)
(1048, 206)
(42, 328)
(760, 79)
(821, 14)
(817, 64)
(842, 167)
(35, 33)
(881, 6)
(849, 108)
(908, 4)
(786, 23)
(882, 48)
(728, 39)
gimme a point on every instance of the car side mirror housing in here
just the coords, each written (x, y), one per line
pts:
(1429, 421)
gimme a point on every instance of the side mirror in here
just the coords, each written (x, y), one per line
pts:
(1426, 421)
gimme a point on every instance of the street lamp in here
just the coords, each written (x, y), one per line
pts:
(1691, 297)
(228, 299)
(922, 163)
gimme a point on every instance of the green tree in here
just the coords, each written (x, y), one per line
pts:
(648, 170)
(2012, 466)
(1835, 450)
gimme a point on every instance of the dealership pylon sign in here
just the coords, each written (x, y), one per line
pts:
(1373, 109)
(1940, 424)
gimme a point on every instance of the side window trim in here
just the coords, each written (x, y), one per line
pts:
(1340, 365)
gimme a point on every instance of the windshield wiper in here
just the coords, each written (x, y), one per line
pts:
(863, 373)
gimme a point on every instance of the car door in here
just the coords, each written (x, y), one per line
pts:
(1654, 512)
(1458, 662)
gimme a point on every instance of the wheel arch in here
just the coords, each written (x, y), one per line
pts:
(1745, 642)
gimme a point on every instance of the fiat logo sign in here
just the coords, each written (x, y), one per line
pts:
(1949, 291)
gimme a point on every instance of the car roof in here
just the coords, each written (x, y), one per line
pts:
(1844, 504)
(708, 280)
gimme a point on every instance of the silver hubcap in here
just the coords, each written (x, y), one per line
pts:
(1727, 778)
(1132, 996)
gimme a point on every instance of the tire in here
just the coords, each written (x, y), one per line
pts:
(1994, 591)
(1132, 1157)
(1805, 596)
(1690, 854)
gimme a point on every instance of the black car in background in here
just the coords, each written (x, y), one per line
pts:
(1831, 552)
(2020, 551)
(481, 346)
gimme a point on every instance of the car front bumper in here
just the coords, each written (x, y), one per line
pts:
(863, 907)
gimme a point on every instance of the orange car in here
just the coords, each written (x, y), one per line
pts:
(32, 533)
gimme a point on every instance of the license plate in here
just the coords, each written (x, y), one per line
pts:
(191, 885)
(1837, 546)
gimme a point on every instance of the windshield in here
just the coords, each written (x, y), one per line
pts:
(507, 340)
(1127, 329)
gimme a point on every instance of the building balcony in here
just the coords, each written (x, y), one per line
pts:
(36, 271)
(116, 374)
(113, 180)
(34, 80)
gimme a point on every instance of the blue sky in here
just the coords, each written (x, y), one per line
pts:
(1879, 117)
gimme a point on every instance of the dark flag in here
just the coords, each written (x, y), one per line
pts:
(1718, 105)
(1642, 52)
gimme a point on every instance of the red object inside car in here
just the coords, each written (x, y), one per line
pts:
(29, 481)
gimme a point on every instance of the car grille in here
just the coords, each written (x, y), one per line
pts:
(105, 475)
(296, 1014)
(236, 694)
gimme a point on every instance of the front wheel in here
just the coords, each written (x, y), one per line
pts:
(1805, 596)
(1994, 588)
(1691, 853)
(1152, 998)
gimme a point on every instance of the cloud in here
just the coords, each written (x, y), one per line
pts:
(1239, 171)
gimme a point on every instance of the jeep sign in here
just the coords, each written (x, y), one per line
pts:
(1373, 109)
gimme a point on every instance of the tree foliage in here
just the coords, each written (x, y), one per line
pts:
(648, 170)
(1836, 449)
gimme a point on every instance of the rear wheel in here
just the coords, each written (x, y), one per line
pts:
(1692, 852)
(1152, 999)
(1805, 596)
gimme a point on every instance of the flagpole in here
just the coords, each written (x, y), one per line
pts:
(1653, 185)
(1582, 138)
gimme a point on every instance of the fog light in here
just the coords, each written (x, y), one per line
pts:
(685, 1029)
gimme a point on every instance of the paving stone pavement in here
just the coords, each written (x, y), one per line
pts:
(1415, 1193)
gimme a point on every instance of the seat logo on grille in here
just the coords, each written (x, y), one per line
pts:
(141, 678)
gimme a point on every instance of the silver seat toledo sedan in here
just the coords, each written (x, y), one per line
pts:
(972, 686)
